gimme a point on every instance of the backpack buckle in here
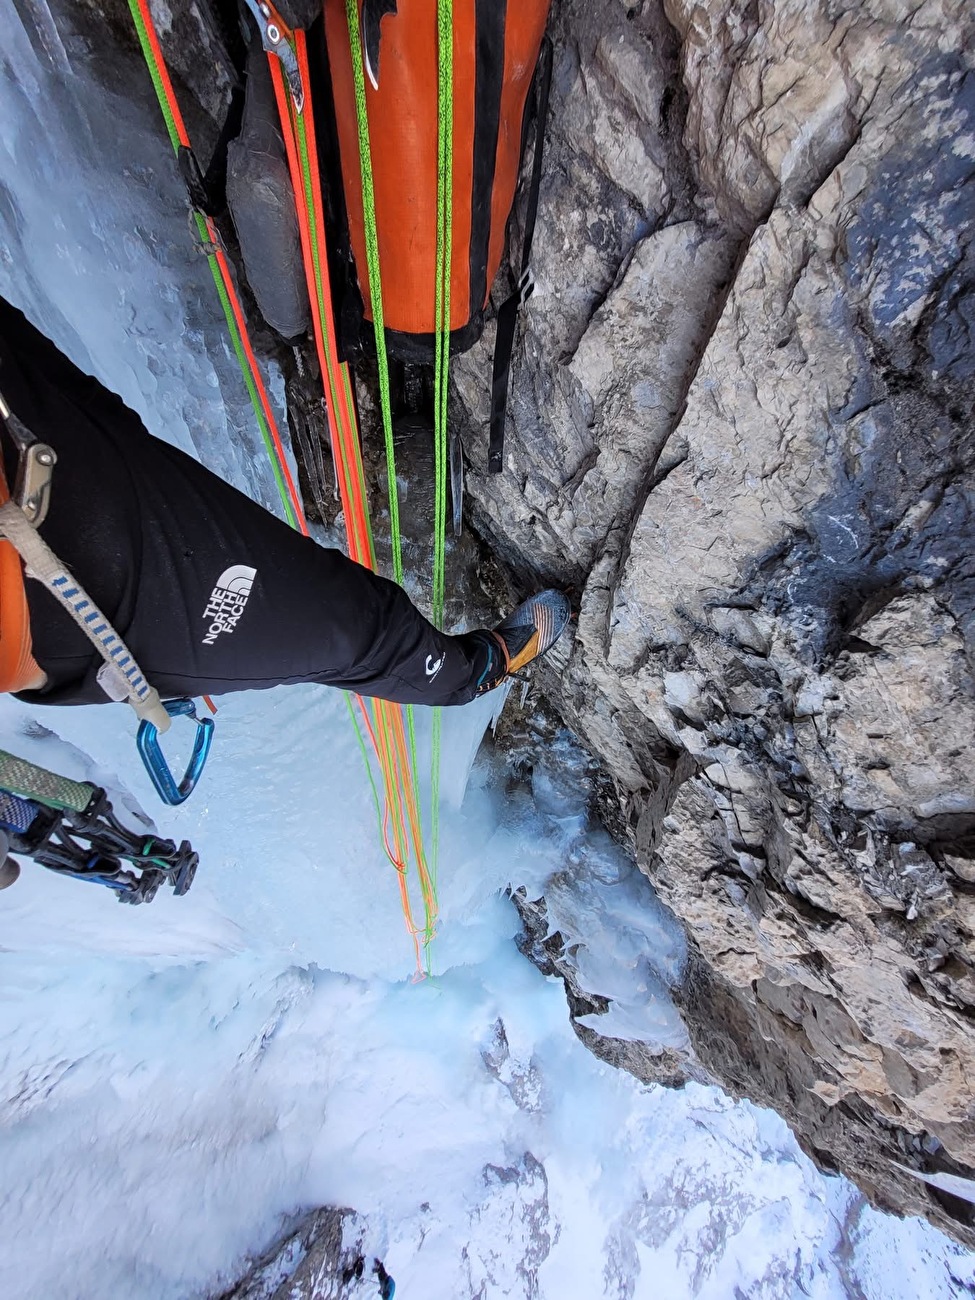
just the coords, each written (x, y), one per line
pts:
(526, 286)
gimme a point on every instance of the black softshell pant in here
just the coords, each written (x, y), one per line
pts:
(210, 592)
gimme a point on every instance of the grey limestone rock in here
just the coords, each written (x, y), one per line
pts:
(740, 429)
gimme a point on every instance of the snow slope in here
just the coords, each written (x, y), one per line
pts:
(178, 1078)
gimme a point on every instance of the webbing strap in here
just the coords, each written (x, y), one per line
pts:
(220, 269)
(508, 311)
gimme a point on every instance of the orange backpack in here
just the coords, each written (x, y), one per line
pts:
(500, 57)
(496, 51)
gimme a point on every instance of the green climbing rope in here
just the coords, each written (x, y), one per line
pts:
(375, 279)
(176, 130)
(442, 344)
(445, 171)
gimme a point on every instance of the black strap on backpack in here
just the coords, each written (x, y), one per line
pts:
(508, 312)
(208, 192)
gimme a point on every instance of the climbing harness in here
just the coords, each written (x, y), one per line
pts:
(70, 827)
(120, 676)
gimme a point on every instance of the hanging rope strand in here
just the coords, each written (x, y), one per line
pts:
(427, 880)
(445, 171)
(384, 722)
(375, 279)
(398, 818)
(222, 276)
(374, 272)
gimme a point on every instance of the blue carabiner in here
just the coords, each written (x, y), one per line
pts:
(147, 741)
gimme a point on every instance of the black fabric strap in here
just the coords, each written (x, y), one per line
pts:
(508, 312)
(216, 178)
(209, 193)
(490, 18)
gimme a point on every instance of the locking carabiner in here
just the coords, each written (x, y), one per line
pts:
(147, 741)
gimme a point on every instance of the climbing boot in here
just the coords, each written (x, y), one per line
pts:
(524, 636)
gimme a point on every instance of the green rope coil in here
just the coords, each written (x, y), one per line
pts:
(28, 781)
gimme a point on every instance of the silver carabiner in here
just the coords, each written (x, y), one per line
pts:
(35, 468)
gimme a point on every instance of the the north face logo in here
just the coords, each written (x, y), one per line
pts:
(228, 600)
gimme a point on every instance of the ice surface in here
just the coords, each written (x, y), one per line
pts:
(176, 1079)
(627, 945)
(95, 243)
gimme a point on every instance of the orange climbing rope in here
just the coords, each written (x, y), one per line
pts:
(384, 722)
(220, 267)
(400, 820)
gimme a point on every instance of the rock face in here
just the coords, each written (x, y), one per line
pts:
(741, 428)
(322, 1258)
